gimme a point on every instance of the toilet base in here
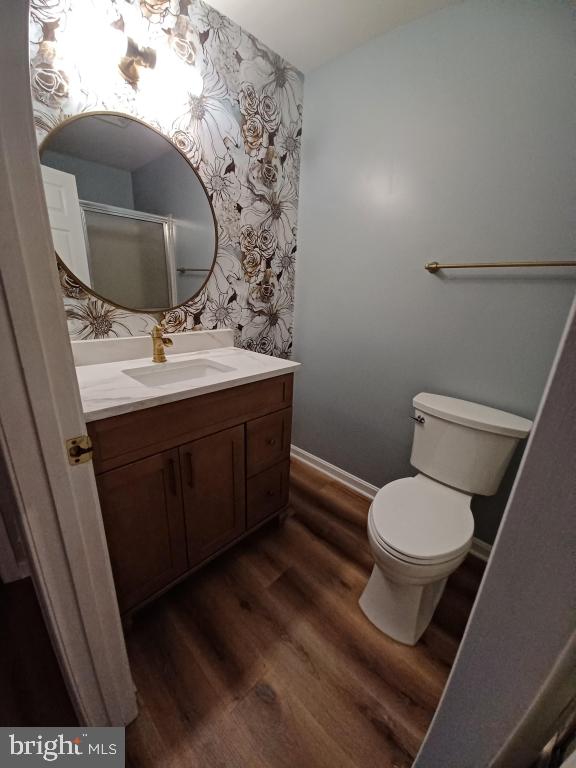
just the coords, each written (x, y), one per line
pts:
(401, 611)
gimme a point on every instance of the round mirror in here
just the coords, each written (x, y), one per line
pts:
(131, 220)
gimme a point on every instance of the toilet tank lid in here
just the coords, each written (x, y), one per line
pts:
(472, 415)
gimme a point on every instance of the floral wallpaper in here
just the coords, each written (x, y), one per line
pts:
(230, 103)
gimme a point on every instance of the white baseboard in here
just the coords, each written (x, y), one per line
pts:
(330, 470)
(480, 549)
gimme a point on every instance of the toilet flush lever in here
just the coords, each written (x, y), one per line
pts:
(419, 419)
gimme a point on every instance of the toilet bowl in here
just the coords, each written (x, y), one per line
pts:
(419, 532)
(420, 528)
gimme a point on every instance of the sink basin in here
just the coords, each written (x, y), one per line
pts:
(164, 374)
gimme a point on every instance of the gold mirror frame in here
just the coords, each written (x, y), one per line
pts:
(71, 274)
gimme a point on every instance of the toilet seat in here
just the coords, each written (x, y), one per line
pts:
(420, 521)
(385, 548)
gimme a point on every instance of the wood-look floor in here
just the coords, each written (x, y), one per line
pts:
(32, 689)
(264, 660)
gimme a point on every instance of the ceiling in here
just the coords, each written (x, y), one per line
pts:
(308, 33)
(109, 140)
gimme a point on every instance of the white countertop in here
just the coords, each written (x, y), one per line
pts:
(107, 388)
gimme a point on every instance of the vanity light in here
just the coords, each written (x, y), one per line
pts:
(160, 89)
(93, 48)
(136, 59)
(98, 50)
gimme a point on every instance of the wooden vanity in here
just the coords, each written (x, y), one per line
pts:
(181, 482)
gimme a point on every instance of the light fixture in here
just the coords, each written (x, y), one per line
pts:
(96, 50)
(136, 59)
(163, 90)
(92, 47)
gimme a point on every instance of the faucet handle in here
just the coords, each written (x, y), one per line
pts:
(165, 339)
(159, 328)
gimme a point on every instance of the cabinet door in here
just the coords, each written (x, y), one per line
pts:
(213, 491)
(144, 523)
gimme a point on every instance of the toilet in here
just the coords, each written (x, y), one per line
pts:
(420, 528)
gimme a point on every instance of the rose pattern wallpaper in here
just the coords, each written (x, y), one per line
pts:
(232, 105)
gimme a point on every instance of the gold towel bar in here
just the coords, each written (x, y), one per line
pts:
(434, 266)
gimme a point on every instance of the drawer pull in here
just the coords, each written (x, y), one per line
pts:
(271, 441)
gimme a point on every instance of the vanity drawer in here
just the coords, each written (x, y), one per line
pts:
(131, 436)
(267, 440)
(267, 493)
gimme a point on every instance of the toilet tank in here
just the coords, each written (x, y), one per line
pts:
(465, 445)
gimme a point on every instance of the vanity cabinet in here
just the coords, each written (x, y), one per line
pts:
(181, 482)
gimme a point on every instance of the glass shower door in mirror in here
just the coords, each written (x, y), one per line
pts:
(130, 257)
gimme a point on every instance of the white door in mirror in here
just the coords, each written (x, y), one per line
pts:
(66, 221)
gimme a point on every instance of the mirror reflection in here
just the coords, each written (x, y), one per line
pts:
(129, 216)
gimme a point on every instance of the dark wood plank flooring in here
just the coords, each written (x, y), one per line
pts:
(32, 689)
(264, 660)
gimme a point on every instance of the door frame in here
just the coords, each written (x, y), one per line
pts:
(57, 504)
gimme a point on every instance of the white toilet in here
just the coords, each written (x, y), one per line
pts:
(420, 528)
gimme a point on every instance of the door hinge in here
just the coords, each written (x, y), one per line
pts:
(79, 449)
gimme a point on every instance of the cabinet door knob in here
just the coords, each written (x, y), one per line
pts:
(270, 493)
(271, 441)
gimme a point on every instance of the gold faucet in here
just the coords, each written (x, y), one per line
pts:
(159, 341)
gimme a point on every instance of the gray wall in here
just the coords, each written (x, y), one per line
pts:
(167, 185)
(95, 182)
(449, 139)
